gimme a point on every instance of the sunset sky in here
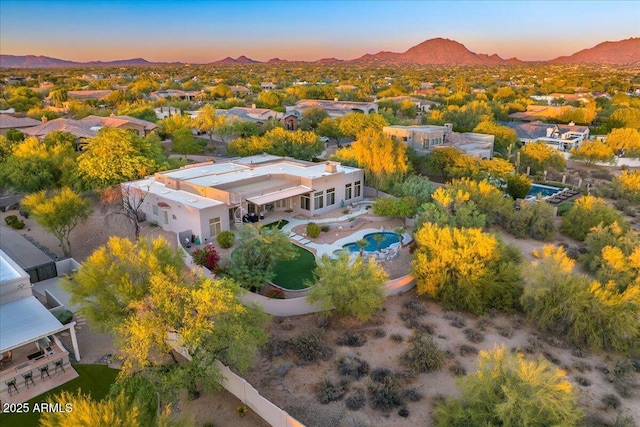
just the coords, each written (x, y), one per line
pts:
(204, 31)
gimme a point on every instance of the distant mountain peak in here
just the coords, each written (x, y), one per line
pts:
(625, 51)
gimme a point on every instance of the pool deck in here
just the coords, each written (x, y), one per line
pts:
(330, 248)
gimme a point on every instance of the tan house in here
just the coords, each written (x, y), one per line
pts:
(204, 199)
(89, 126)
(334, 108)
(8, 122)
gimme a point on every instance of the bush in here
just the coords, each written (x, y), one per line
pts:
(403, 412)
(351, 339)
(534, 219)
(313, 230)
(226, 239)
(563, 208)
(355, 401)
(324, 228)
(13, 222)
(64, 316)
(423, 354)
(310, 346)
(24, 213)
(586, 213)
(380, 375)
(275, 293)
(466, 350)
(473, 335)
(351, 366)
(328, 392)
(396, 338)
(411, 394)
(10, 219)
(206, 257)
(384, 397)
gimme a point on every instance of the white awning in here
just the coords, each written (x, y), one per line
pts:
(25, 321)
(279, 195)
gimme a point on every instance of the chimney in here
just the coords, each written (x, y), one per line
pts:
(253, 106)
(549, 132)
(335, 99)
(448, 128)
(44, 119)
(571, 123)
(330, 168)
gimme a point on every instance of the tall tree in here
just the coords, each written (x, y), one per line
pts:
(115, 276)
(117, 155)
(185, 143)
(351, 288)
(586, 213)
(539, 157)
(59, 213)
(625, 141)
(208, 121)
(127, 200)
(594, 151)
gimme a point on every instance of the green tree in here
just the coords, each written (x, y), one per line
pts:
(312, 117)
(466, 269)
(417, 187)
(405, 207)
(518, 186)
(14, 135)
(330, 129)
(351, 288)
(169, 125)
(208, 121)
(586, 213)
(115, 276)
(489, 200)
(185, 143)
(533, 219)
(58, 213)
(137, 157)
(280, 142)
(508, 390)
(353, 124)
(257, 252)
(505, 136)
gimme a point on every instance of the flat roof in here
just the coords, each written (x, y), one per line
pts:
(25, 320)
(21, 251)
(9, 270)
(179, 196)
(279, 195)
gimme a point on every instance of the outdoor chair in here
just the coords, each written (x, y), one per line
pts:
(11, 383)
(44, 370)
(59, 364)
(28, 376)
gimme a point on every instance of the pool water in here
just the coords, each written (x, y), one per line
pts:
(389, 239)
(545, 190)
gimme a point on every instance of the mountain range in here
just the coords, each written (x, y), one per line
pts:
(436, 51)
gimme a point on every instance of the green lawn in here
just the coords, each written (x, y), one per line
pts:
(292, 274)
(93, 379)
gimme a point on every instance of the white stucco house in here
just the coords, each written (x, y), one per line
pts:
(204, 199)
(559, 136)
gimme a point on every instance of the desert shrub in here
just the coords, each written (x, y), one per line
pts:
(584, 382)
(11, 219)
(423, 354)
(411, 394)
(414, 307)
(586, 213)
(313, 230)
(467, 350)
(275, 348)
(473, 335)
(13, 222)
(505, 331)
(534, 219)
(328, 391)
(456, 320)
(324, 228)
(483, 323)
(384, 396)
(275, 293)
(563, 208)
(225, 239)
(505, 392)
(457, 369)
(396, 338)
(403, 412)
(611, 401)
(581, 366)
(380, 375)
(379, 333)
(351, 339)
(356, 401)
(206, 257)
(24, 213)
(424, 328)
(353, 367)
(310, 346)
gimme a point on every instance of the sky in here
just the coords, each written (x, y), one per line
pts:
(201, 31)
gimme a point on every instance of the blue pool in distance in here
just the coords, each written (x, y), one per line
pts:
(545, 190)
(389, 239)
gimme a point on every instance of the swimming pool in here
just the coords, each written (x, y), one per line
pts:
(544, 190)
(388, 239)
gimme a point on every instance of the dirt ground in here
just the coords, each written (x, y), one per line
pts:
(291, 385)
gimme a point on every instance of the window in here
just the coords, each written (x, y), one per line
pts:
(405, 139)
(331, 196)
(155, 210)
(214, 226)
(347, 191)
(425, 143)
(165, 217)
(357, 189)
(305, 202)
(318, 200)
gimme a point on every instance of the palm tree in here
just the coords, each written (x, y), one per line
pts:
(362, 243)
(400, 231)
(379, 238)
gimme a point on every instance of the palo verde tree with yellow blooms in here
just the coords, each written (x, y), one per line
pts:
(466, 269)
(509, 390)
(58, 212)
(586, 213)
(540, 157)
(584, 311)
(627, 186)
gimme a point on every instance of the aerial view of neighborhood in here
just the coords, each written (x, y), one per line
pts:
(322, 214)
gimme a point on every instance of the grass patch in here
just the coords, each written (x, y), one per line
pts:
(277, 224)
(292, 274)
(94, 380)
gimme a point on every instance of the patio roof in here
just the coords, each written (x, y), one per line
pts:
(25, 321)
(279, 195)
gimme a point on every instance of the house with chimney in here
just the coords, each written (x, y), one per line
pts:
(559, 136)
(205, 199)
(424, 139)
